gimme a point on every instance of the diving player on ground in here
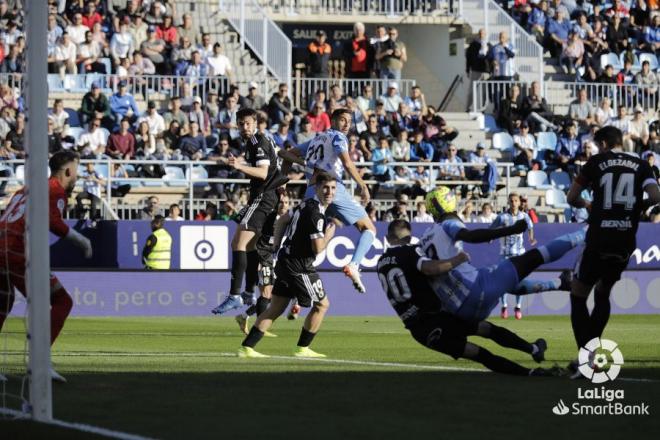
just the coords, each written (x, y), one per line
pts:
(261, 167)
(64, 173)
(403, 271)
(307, 235)
(328, 152)
(618, 181)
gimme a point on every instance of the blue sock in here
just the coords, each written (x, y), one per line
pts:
(364, 244)
(560, 245)
(527, 286)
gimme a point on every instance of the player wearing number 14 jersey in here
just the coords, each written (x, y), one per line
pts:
(618, 181)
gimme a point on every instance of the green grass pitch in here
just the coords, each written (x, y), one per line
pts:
(176, 378)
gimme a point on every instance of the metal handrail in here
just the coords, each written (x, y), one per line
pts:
(388, 8)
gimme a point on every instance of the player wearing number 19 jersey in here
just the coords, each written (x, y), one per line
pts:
(618, 181)
(328, 152)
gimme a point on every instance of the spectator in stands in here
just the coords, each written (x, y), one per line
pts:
(617, 35)
(8, 152)
(536, 111)
(188, 30)
(639, 131)
(557, 33)
(607, 76)
(155, 49)
(537, 20)
(156, 13)
(582, 111)
(221, 155)
(53, 35)
(531, 212)
(422, 216)
(151, 209)
(477, 65)
(391, 99)
(172, 136)
(141, 66)
(121, 144)
(153, 119)
(145, 142)
(509, 113)
(604, 112)
(253, 99)
(369, 137)
(626, 75)
(54, 141)
(401, 147)
(318, 56)
(318, 118)
(176, 114)
(568, 148)
(365, 101)
(525, 143)
(417, 103)
(468, 214)
(399, 211)
(280, 105)
(359, 67)
(212, 106)
(651, 41)
(122, 104)
(337, 94)
(219, 64)
(92, 143)
(486, 215)
(167, 32)
(60, 118)
(228, 115)
(420, 150)
(96, 105)
(77, 30)
(205, 47)
(573, 54)
(500, 56)
(64, 58)
(437, 131)
(381, 157)
(622, 122)
(376, 44)
(88, 56)
(649, 81)
(284, 135)
(306, 133)
(174, 214)
(587, 143)
(392, 56)
(193, 145)
(92, 183)
(650, 158)
(91, 16)
(122, 44)
(451, 167)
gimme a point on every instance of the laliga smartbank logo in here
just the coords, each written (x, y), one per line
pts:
(600, 361)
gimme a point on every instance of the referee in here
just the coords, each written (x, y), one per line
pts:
(307, 235)
(260, 165)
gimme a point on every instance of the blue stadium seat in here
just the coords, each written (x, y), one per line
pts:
(502, 141)
(198, 173)
(174, 176)
(74, 117)
(55, 83)
(490, 125)
(546, 140)
(560, 180)
(610, 58)
(556, 198)
(651, 58)
(76, 132)
(538, 179)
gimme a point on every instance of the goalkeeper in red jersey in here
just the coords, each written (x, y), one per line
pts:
(64, 173)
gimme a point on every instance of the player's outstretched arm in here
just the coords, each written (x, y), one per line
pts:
(438, 267)
(355, 175)
(292, 155)
(485, 235)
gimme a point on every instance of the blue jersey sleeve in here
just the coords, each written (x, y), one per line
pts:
(530, 224)
(340, 144)
(451, 227)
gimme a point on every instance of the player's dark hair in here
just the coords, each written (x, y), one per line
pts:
(612, 137)
(60, 159)
(246, 113)
(399, 229)
(323, 177)
(157, 222)
(337, 113)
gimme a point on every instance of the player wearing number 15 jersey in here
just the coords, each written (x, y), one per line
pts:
(328, 152)
(618, 181)
(306, 235)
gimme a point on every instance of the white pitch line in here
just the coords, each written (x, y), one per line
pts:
(79, 426)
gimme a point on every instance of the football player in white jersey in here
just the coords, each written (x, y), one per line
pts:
(472, 293)
(328, 152)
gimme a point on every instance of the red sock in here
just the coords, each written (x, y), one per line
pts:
(61, 304)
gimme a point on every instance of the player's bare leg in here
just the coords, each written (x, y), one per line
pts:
(367, 234)
(277, 306)
(310, 328)
(243, 239)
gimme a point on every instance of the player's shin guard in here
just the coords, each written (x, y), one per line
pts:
(580, 320)
(508, 339)
(600, 314)
(499, 364)
(251, 310)
(527, 286)
(560, 245)
(253, 338)
(262, 305)
(363, 246)
(306, 338)
(252, 271)
(61, 305)
(238, 267)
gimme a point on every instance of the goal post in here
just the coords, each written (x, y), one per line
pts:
(36, 231)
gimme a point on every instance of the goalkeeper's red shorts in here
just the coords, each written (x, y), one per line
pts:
(13, 275)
